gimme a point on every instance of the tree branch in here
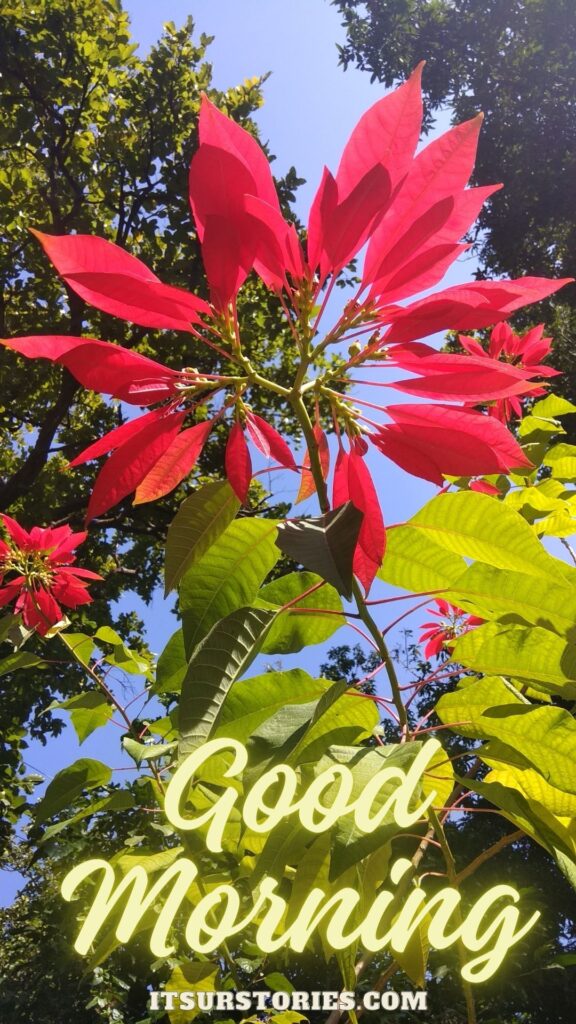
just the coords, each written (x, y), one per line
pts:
(24, 477)
(502, 843)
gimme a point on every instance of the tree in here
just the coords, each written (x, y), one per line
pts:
(514, 61)
(96, 140)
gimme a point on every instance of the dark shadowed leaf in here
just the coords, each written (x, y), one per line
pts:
(325, 544)
(218, 661)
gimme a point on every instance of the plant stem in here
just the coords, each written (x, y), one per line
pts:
(384, 653)
(502, 843)
(305, 422)
(130, 727)
(301, 413)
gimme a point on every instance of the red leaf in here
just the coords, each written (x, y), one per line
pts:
(278, 248)
(109, 278)
(238, 463)
(39, 610)
(483, 487)
(423, 272)
(533, 346)
(432, 441)
(128, 465)
(323, 205)
(462, 378)
(219, 180)
(115, 438)
(269, 441)
(17, 533)
(444, 224)
(307, 486)
(395, 250)
(440, 171)
(386, 134)
(69, 590)
(472, 346)
(346, 228)
(174, 464)
(101, 366)
(228, 255)
(352, 482)
(468, 307)
(372, 538)
(215, 129)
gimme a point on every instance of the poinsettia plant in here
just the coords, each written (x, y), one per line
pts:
(505, 607)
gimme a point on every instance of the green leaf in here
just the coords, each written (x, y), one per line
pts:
(476, 526)
(542, 416)
(151, 862)
(84, 774)
(83, 645)
(218, 661)
(123, 657)
(277, 982)
(120, 800)
(349, 844)
(284, 732)
(227, 577)
(414, 958)
(562, 460)
(418, 566)
(502, 790)
(88, 711)
(325, 544)
(544, 737)
(312, 871)
(561, 523)
(109, 636)
(18, 660)
(7, 624)
(251, 701)
(285, 844)
(534, 430)
(493, 593)
(552, 406)
(528, 781)
(521, 652)
(200, 520)
(191, 977)
(338, 720)
(472, 697)
(292, 629)
(533, 501)
(146, 751)
(172, 665)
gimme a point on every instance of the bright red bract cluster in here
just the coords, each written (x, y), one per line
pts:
(37, 572)
(409, 211)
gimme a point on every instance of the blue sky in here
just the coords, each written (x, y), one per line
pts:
(310, 107)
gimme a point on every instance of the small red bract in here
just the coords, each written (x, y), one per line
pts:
(37, 572)
(520, 354)
(454, 622)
